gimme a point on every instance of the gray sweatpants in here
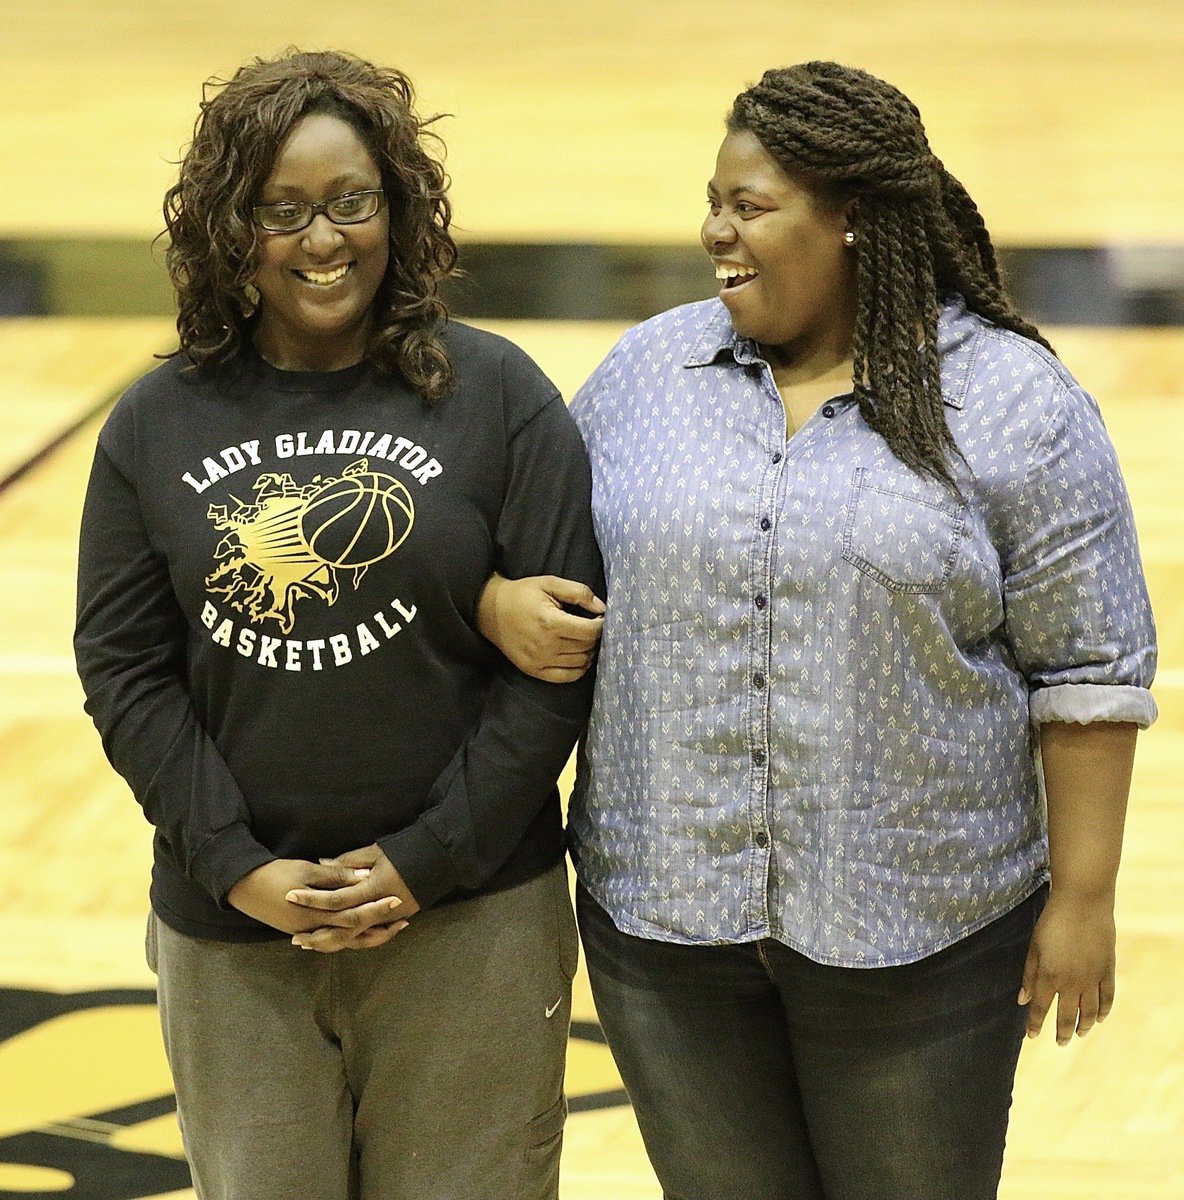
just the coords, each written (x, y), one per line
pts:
(430, 1068)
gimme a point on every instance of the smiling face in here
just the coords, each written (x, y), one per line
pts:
(317, 286)
(787, 278)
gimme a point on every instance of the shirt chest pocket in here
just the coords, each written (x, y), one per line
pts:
(902, 531)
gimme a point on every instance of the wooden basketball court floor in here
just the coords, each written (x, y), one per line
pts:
(574, 121)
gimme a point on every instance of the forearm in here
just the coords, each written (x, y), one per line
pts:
(153, 738)
(545, 548)
(1087, 774)
(130, 647)
(503, 775)
(493, 789)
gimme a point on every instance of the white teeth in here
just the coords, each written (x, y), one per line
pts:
(732, 271)
(324, 278)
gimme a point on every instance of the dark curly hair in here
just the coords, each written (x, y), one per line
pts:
(850, 138)
(213, 238)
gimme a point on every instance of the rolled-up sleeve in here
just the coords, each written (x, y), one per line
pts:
(1078, 614)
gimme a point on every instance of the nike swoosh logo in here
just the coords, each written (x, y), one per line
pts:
(551, 1011)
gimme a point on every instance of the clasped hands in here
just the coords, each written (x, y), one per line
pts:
(353, 902)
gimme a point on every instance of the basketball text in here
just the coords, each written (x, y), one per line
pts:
(314, 654)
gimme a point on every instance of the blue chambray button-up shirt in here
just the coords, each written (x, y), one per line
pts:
(821, 673)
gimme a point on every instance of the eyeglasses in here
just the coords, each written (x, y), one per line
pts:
(291, 216)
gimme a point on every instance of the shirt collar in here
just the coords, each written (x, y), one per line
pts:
(717, 338)
(957, 331)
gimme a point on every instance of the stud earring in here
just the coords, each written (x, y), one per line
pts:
(849, 237)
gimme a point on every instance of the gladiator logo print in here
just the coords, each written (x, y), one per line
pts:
(296, 541)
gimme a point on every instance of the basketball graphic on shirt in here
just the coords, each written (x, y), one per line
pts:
(295, 542)
(356, 520)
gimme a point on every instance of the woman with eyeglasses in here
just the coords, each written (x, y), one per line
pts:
(286, 531)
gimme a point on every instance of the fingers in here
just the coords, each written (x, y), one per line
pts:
(1076, 1013)
(574, 635)
(1039, 1002)
(362, 916)
(377, 935)
(1085, 1017)
(1095, 1004)
(362, 858)
(1068, 1006)
(571, 659)
(568, 591)
(1106, 996)
(1035, 992)
(338, 900)
(1078, 1010)
(582, 632)
(554, 657)
(330, 874)
(330, 939)
(1039, 992)
(566, 666)
(563, 674)
(1028, 983)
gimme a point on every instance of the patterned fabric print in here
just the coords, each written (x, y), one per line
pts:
(820, 672)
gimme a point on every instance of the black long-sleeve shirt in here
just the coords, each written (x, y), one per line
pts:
(277, 583)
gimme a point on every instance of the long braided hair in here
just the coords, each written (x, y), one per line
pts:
(847, 136)
(212, 236)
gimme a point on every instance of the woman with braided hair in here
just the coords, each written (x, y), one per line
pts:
(849, 810)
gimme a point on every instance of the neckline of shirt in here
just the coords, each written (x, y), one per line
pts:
(307, 381)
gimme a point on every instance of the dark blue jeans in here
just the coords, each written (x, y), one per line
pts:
(757, 1074)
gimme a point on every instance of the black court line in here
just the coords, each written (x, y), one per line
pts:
(590, 1031)
(59, 439)
(46, 449)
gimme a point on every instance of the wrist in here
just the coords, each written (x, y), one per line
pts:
(1082, 894)
(487, 604)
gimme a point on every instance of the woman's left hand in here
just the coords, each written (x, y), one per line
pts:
(354, 927)
(1071, 958)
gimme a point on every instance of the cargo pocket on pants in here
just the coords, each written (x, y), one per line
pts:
(540, 1160)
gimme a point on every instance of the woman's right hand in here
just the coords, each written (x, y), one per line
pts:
(262, 894)
(525, 620)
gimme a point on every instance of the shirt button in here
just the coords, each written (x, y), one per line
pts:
(828, 411)
(758, 680)
(777, 457)
(760, 602)
(766, 524)
(758, 757)
(762, 838)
